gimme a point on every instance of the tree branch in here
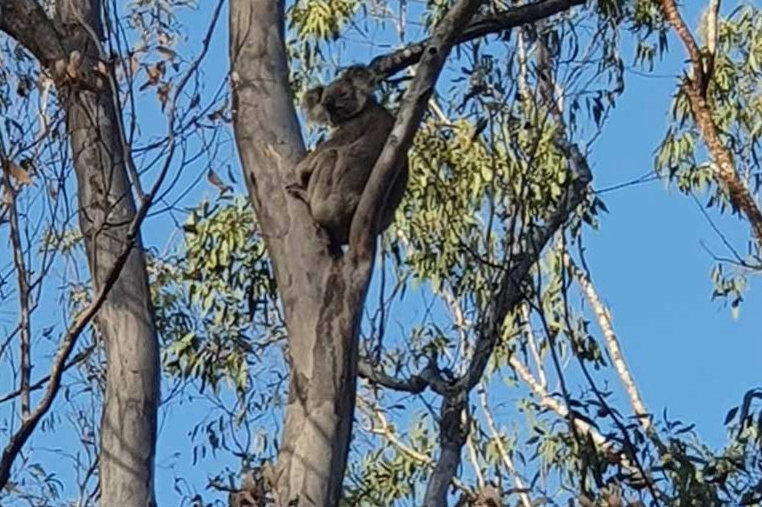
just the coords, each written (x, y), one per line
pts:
(362, 234)
(453, 430)
(39, 383)
(27, 22)
(522, 490)
(22, 279)
(453, 423)
(612, 344)
(695, 87)
(429, 377)
(509, 293)
(480, 26)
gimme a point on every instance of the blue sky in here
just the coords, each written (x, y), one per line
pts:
(687, 352)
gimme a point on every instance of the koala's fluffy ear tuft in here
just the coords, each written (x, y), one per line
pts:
(313, 107)
(362, 78)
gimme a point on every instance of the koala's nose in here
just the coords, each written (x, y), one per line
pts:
(329, 102)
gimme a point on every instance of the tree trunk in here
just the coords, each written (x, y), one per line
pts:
(106, 212)
(126, 319)
(322, 295)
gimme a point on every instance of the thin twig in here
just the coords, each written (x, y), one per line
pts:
(521, 487)
(22, 277)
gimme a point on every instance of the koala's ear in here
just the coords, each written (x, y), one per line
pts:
(362, 78)
(312, 98)
(312, 106)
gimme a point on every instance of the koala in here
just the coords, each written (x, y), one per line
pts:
(331, 179)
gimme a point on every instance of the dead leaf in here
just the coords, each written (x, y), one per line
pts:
(155, 72)
(218, 115)
(163, 93)
(164, 39)
(215, 180)
(17, 172)
(166, 53)
(134, 63)
(101, 68)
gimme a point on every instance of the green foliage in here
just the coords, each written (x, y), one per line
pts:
(729, 287)
(484, 173)
(388, 475)
(313, 23)
(216, 299)
(320, 19)
(648, 25)
(467, 191)
(735, 100)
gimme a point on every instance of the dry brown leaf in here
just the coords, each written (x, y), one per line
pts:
(134, 64)
(101, 68)
(215, 180)
(18, 173)
(164, 39)
(166, 53)
(155, 72)
(163, 93)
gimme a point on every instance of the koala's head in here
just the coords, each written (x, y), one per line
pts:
(341, 100)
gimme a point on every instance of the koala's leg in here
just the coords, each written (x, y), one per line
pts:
(297, 188)
(330, 208)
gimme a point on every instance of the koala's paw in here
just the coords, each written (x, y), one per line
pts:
(297, 190)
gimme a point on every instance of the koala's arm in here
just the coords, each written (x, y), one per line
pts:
(303, 170)
(323, 159)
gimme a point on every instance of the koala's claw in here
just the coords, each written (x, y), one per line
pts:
(296, 190)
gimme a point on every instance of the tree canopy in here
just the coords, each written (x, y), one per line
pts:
(175, 331)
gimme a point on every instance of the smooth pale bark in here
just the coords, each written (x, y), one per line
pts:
(126, 319)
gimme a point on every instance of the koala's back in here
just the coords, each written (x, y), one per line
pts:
(372, 125)
(335, 193)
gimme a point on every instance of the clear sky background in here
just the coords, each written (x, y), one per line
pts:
(687, 352)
